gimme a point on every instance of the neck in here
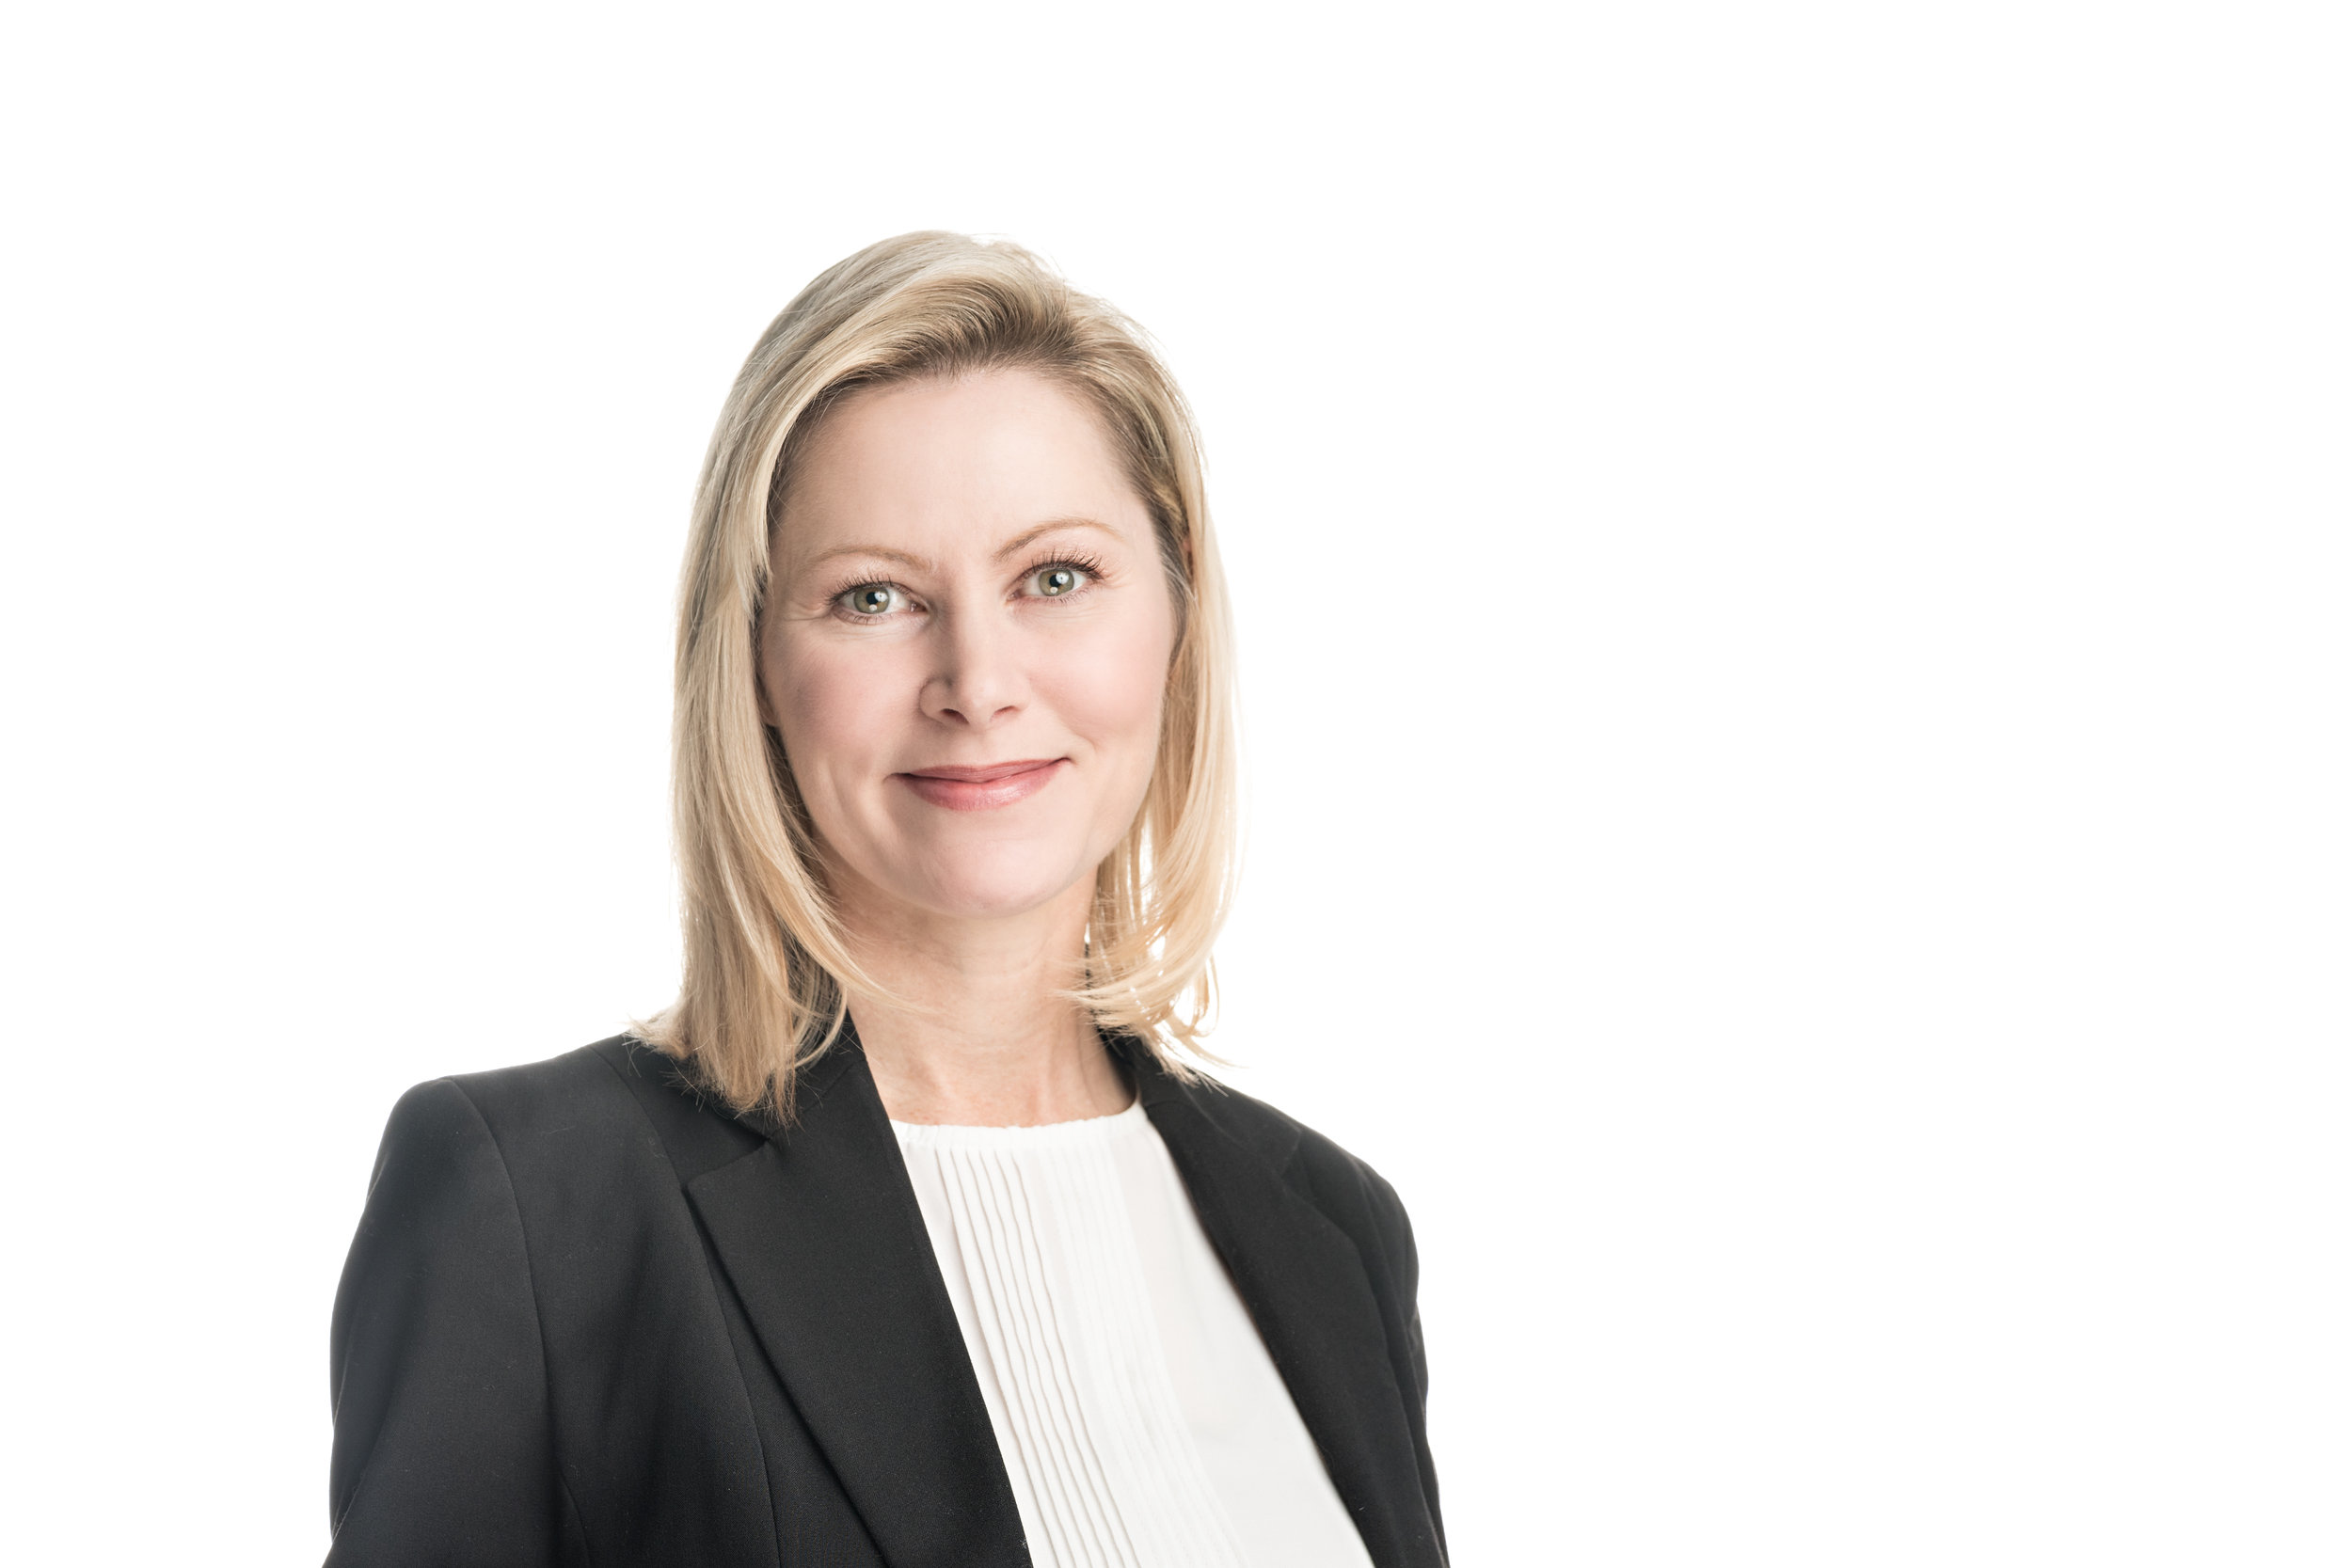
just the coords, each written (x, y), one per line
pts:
(981, 1041)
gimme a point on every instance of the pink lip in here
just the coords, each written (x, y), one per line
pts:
(983, 788)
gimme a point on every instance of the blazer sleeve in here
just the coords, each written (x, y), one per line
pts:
(1401, 1263)
(1404, 1261)
(443, 1453)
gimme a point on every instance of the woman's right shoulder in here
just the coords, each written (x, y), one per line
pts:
(512, 1222)
(589, 1115)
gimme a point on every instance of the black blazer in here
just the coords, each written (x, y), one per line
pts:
(590, 1317)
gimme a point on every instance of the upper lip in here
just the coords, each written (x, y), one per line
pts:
(989, 774)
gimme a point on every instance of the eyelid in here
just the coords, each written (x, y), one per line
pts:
(833, 600)
(1078, 561)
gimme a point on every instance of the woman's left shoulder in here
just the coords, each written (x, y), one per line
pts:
(1344, 1187)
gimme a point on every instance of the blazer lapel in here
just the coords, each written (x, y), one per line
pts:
(818, 1230)
(1303, 1281)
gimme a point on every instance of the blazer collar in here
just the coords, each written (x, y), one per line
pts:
(818, 1230)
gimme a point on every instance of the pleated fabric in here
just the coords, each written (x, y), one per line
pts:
(1141, 1422)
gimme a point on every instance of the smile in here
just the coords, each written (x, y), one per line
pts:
(982, 788)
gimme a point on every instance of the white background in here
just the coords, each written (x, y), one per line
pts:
(1793, 569)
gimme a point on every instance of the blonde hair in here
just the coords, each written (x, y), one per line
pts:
(767, 974)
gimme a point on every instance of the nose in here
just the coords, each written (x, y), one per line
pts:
(976, 682)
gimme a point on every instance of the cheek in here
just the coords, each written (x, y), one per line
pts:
(826, 705)
(1111, 695)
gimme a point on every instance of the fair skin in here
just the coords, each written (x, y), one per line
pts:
(965, 649)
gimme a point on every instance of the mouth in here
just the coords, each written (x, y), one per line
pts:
(987, 788)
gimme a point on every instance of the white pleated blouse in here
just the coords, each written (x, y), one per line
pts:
(1140, 1416)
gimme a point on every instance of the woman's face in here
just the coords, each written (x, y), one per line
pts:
(965, 646)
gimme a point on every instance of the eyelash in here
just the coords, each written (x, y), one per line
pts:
(1090, 566)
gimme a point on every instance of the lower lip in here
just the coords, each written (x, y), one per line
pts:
(965, 795)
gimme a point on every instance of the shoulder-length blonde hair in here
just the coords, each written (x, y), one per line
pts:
(769, 975)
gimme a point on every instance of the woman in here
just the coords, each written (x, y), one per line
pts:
(903, 1237)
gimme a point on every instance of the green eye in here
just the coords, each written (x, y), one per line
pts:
(1057, 580)
(873, 598)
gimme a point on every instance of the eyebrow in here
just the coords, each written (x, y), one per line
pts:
(839, 551)
(1014, 545)
(1023, 541)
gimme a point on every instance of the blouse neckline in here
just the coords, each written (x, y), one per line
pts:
(1052, 1134)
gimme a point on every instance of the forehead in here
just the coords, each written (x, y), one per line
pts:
(948, 467)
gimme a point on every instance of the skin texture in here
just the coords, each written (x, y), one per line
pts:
(910, 626)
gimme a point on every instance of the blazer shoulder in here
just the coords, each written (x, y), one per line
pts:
(1344, 1186)
(588, 1113)
(519, 1098)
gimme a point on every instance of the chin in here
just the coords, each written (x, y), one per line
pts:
(994, 882)
(986, 897)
